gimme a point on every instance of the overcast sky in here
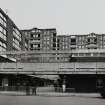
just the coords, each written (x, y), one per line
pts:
(67, 16)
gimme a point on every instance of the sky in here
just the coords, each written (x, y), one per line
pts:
(67, 16)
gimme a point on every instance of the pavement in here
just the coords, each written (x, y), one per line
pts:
(12, 93)
(40, 100)
(50, 98)
(51, 94)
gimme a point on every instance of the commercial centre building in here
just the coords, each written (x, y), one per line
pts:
(47, 49)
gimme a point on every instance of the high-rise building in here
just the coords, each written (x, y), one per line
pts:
(41, 39)
(80, 42)
(81, 57)
(88, 41)
(63, 42)
(11, 38)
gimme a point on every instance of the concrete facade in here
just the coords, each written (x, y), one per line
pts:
(41, 39)
(88, 41)
(12, 34)
(12, 39)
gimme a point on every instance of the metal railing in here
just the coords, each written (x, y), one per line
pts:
(53, 51)
(24, 90)
(18, 90)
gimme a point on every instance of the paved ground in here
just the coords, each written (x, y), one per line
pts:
(84, 99)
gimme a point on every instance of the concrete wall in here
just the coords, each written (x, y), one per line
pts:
(65, 68)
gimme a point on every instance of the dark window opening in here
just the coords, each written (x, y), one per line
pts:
(57, 45)
(92, 41)
(95, 40)
(38, 45)
(95, 48)
(54, 45)
(31, 35)
(58, 40)
(71, 59)
(54, 48)
(54, 39)
(88, 40)
(38, 35)
(73, 41)
(54, 34)
(57, 58)
(73, 48)
(31, 45)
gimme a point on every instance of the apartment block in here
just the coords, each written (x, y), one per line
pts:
(41, 39)
(87, 41)
(11, 38)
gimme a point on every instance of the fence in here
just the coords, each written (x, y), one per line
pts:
(29, 90)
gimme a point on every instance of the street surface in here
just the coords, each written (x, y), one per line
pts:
(45, 100)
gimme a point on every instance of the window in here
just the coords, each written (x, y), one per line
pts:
(54, 34)
(95, 40)
(73, 41)
(31, 45)
(2, 46)
(92, 40)
(17, 34)
(2, 33)
(38, 45)
(54, 48)
(1, 29)
(16, 44)
(1, 15)
(88, 40)
(54, 45)
(31, 35)
(3, 20)
(57, 45)
(73, 48)
(54, 39)
(58, 40)
(38, 35)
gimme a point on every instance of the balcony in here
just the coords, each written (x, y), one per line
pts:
(91, 46)
(34, 41)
